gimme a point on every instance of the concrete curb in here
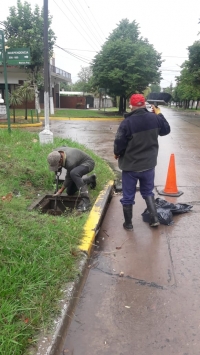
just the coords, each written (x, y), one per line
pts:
(49, 344)
(83, 118)
(23, 125)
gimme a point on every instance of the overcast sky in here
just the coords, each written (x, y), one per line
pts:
(82, 26)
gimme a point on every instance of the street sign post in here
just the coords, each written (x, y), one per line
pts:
(12, 56)
(3, 54)
(18, 56)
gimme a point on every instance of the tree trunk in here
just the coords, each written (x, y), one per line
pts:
(26, 103)
(99, 101)
(124, 104)
(121, 106)
(13, 114)
(37, 103)
(197, 104)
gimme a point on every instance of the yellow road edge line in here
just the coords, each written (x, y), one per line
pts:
(89, 231)
(84, 118)
(23, 125)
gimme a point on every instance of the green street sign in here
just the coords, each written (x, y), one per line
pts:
(18, 56)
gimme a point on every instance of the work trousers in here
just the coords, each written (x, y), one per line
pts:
(129, 182)
(76, 179)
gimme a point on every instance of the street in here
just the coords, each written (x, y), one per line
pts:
(142, 293)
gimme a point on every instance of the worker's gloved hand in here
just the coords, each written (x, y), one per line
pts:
(155, 109)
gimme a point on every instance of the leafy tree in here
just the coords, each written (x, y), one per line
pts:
(155, 88)
(24, 28)
(147, 91)
(15, 99)
(193, 63)
(27, 93)
(85, 80)
(186, 89)
(126, 64)
(169, 89)
(66, 86)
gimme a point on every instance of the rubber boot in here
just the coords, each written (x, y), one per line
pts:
(84, 204)
(153, 216)
(128, 214)
(91, 181)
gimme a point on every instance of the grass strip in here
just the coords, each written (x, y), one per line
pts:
(38, 252)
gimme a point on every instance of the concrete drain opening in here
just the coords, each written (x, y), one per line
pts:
(56, 206)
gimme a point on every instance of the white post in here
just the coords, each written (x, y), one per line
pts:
(46, 136)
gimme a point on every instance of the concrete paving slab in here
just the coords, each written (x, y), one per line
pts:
(154, 308)
(142, 255)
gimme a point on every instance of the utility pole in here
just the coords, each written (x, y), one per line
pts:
(46, 136)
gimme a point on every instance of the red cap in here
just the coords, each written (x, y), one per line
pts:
(137, 100)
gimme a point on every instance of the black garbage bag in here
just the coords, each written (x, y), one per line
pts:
(174, 208)
(164, 216)
(166, 210)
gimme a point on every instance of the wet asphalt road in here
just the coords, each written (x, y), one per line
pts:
(154, 308)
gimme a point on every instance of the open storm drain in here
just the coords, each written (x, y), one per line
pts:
(56, 206)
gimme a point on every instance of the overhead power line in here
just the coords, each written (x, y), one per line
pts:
(178, 71)
(80, 50)
(77, 20)
(87, 23)
(74, 55)
(173, 56)
(95, 23)
(72, 23)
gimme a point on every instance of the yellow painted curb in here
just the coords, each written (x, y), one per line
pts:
(84, 118)
(13, 125)
(92, 224)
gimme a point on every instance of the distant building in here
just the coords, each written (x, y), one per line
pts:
(79, 99)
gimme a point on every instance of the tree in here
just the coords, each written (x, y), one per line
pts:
(15, 99)
(169, 89)
(27, 93)
(24, 28)
(66, 86)
(155, 88)
(193, 63)
(186, 89)
(85, 80)
(126, 64)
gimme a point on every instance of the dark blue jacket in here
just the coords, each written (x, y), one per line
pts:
(136, 140)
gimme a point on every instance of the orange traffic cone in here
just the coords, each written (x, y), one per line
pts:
(170, 186)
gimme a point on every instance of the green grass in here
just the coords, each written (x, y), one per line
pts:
(68, 113)
(37, 251)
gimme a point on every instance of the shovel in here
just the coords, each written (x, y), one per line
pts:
(57, 181)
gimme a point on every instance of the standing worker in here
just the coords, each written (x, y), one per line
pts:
(136, 148)
(77, 163)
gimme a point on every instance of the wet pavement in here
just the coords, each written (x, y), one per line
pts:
(142, 293)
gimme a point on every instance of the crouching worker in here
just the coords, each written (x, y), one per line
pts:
(136, 148)
(77, 163)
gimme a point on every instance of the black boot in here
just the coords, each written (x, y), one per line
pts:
(153, 216)
(128, 214)
(91, 181)
(84, 204)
